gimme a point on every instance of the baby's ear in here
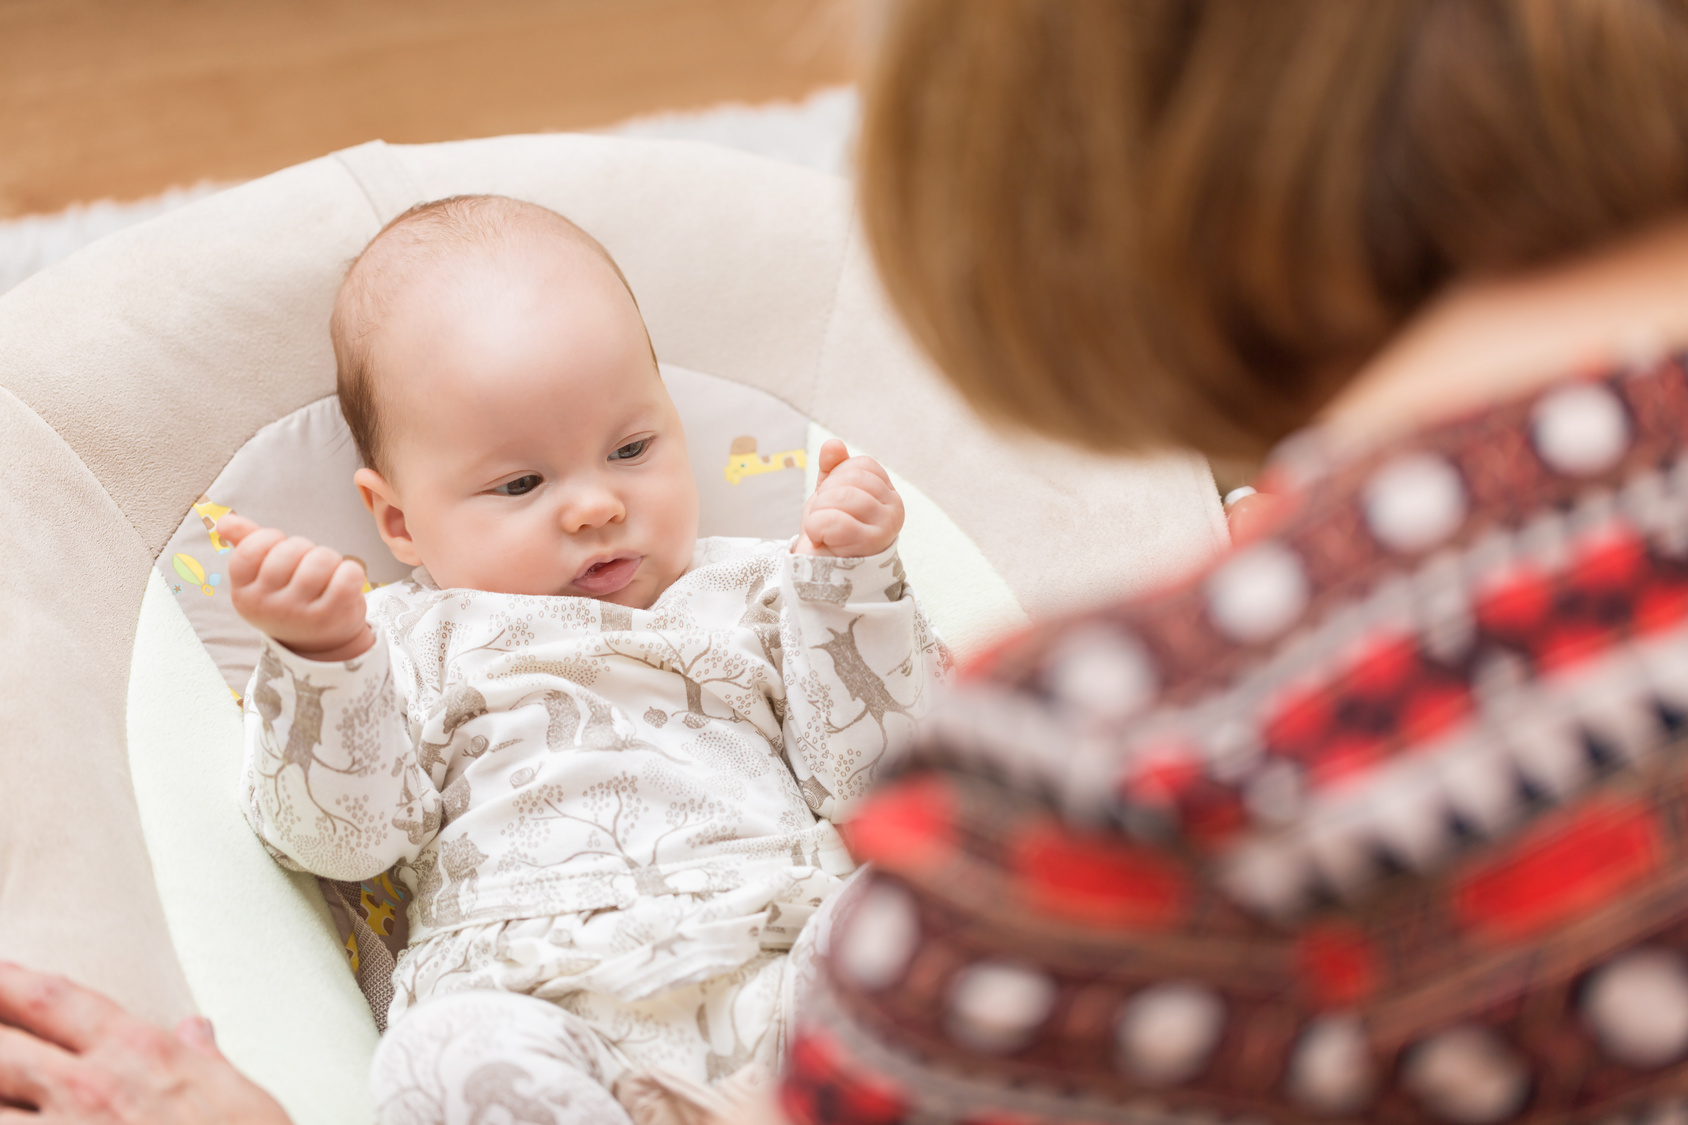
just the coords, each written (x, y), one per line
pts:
(382, 501)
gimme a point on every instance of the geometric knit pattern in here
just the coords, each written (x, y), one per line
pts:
(1384, 815)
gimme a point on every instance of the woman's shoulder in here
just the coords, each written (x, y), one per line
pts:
(1415, 541)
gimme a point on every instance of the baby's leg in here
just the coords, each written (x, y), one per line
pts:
(456, 1058)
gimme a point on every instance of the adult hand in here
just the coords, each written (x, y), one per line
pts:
(307, 597)
(1252, 515)
(69, 1056)
(854, 512)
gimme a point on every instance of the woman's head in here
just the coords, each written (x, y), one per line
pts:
(1132, 223)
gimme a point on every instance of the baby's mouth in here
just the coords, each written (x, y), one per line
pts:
(607, 576)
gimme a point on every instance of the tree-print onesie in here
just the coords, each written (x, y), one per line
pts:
(626, 812)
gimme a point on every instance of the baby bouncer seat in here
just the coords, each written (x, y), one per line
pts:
(182, 368)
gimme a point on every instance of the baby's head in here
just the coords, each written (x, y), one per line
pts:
(504, 395)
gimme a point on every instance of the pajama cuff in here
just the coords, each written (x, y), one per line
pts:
(872, 578)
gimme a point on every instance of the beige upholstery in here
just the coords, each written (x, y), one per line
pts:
(131, 373)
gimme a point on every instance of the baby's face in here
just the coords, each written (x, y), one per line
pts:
(532, 445)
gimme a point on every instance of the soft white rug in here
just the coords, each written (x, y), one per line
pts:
(816, 132)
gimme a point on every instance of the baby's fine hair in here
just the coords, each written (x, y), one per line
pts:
(426, 233)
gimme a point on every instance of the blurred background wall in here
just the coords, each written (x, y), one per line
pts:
(113, 110)
(126, 98)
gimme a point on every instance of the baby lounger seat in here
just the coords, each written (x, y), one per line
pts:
(182, 368)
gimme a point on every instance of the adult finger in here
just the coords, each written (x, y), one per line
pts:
(250, 555)
(54, 1009)
(199, 1035)
(30, 1069)
(833, 453)
(282, 560)
(1252, 516)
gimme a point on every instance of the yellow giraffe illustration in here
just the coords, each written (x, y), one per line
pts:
(209, 514)
(743, 460)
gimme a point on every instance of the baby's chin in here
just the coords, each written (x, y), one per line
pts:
(645, 590)
(633, 598)
(641, 593)
(648, 584)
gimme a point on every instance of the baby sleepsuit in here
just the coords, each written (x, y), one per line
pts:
(625, 813)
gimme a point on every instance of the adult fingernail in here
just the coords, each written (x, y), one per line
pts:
(196, 1031)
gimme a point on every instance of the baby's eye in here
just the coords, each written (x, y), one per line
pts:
(631, 450)
(518, 486)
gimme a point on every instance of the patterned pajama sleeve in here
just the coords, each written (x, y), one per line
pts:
(859, 661)
(333, 782)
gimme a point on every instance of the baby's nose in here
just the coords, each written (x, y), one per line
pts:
(592, 507)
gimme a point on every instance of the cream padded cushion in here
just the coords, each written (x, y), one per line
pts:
(261, 956)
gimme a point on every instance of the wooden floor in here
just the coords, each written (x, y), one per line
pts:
(124, 98)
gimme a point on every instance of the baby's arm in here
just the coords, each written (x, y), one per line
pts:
(332, 781)
(858, 659)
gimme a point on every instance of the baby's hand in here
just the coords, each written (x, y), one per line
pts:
(854, 512)
(308, 598)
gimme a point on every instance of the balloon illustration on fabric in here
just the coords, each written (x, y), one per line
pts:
(191, 571)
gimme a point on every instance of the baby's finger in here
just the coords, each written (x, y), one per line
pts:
(311, 576)
(839, 532)
(346, 585)
(851, 475)
(833, 453)
(827, 525)
(233, 528)
(280, 563)
(852, 501)
(869, 467)
(247, 558)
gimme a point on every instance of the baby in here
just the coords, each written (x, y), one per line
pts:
(606, 755)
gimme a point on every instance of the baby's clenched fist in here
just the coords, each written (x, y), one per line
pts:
(306, 597)
(854, 512)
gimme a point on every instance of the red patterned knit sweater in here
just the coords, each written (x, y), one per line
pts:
(1385, 816)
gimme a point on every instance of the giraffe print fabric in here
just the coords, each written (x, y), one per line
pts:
(474, 1052)
(604, 807)
(485, 1056)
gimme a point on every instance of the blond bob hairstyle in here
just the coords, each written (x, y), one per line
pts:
(1146, 223)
